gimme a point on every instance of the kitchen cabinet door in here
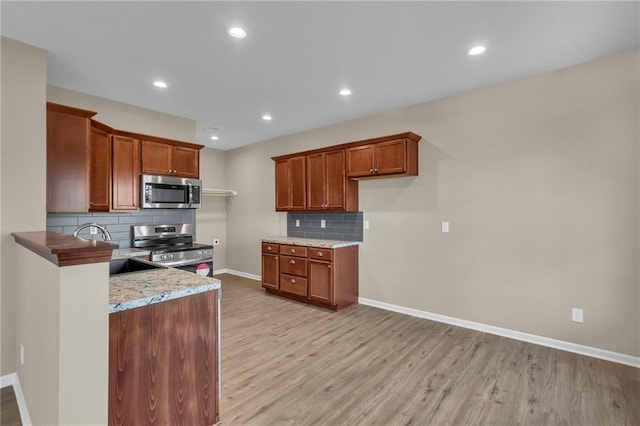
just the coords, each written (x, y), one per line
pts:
(360, 161)
(68, 157)
(125, 173)
(290, 184)
(270, 271)
(391, 157)
(316, 182)
(335, 181)
(321, 281)
(186, 162)
(157, 158)
(99, 171)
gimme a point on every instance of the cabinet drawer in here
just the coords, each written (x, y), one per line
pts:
(293, 265)
(293, 250)
(320, 254)
(294, 285)
(270, 248)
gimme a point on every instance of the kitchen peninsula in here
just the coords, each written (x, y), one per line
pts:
(108, 334)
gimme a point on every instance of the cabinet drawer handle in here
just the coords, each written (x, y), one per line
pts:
(269, 248)
(319, 254)
(293, 281)
(293, 262)
(293, 250)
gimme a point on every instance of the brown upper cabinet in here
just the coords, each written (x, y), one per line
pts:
(291, 191)
(68, 156)
(99, 169)
(327, 186)
(126, 173)
(94, 168)
(386, 158)
(160, 158)
(330, 174)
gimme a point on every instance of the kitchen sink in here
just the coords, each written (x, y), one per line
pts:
(130, 265)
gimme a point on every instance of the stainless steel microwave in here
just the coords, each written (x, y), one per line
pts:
(168, 192)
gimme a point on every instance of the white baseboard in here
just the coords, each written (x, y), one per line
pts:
(12, 380)
(512, 334)
(220, 271)
(243, 274)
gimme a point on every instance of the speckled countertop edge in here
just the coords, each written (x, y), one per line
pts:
(124, 253)
(128, 291)
(310, 242)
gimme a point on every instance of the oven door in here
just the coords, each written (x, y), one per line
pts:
(204, 268)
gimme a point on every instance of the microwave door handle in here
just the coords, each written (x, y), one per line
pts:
(190, 194)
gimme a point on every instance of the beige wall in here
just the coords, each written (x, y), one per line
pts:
(23, 167)
(538, 178)
(211, 219)
(127, 117)
(63, 324)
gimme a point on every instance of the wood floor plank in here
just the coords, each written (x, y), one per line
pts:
(9, 412)
(285, 363)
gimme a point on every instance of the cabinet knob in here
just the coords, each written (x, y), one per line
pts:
(293, 250)
(293, 281)
(269, 248)
(371, 171)
(375, 170)
(319, 254)
(293, 262)
(328, 266)
(275, 258)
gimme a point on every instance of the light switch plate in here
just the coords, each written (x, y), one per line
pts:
(297, 223)
(323, 224)
(445, 226)
(365, 224)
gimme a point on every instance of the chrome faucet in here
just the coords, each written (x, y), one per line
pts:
(105, 234)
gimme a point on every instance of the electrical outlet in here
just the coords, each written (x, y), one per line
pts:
(323, 223)
(445, 226)
(365, 224)
(93, 230)
(577, 315)
(216, 241)
(21, 354)
(297, 223)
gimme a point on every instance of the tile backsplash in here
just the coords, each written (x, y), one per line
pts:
(118, 224)
(343, 226)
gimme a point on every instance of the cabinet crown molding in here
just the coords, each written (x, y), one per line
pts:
(406, 135)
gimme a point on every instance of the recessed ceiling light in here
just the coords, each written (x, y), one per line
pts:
(266, 117)
(214, 138)
(237, 32)
(477, 50)
(160, 84)
(345, 92)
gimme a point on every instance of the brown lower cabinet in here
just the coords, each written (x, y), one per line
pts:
(318, 276)
(163, 363)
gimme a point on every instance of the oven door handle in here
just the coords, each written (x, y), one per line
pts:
(183, 263)
(190, 194)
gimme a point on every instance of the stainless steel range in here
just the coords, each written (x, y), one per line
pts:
(172, 245)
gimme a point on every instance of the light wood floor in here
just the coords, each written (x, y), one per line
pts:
(285, 363)
(9, 413)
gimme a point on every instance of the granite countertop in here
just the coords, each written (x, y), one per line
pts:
(124, 253)
(128, 291)
(310, 242)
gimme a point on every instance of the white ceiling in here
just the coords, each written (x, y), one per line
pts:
(297, 55)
